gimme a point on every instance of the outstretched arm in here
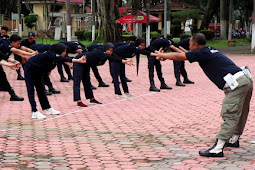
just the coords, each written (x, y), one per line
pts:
(170, 56)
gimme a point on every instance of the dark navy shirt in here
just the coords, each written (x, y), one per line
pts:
(5, 47)
(40, 47)
(127, 51)
(98, 57)
(184, 44)
(118, 44)
(95, 47)
(45, 61)
(26, 43)
(5, 38)
(71, 46)
(214, 64)
(3, 56)
(163, 43)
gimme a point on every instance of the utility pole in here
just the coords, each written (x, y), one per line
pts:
(230, 20)
(168, 31)
(148, 23)
(165, 18)
(68, 20)
(253, 29)
(93, 6)
(19, 13)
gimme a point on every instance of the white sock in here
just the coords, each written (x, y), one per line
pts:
(219, 146)
(234, 138)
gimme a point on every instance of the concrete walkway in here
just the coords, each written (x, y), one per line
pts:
(149, 131)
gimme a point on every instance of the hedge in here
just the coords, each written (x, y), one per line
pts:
(85, 34)
(209, 34)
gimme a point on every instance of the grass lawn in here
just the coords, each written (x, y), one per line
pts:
(224, 43)
(216, 43)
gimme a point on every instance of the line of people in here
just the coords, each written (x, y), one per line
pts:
(34, 57)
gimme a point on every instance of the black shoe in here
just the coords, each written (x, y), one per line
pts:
(164, 86)
(16, 98)
(3, 89)
(208, 154)
(20, 77)
(235, 145)
(70, 77)
(102, 84)
(93, 87)
(48, 93)
(63, 79)
(54, 91)
(128, 80)
(154, 88)
(187, 81)
(179, 83)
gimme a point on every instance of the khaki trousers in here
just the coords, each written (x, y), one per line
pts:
(235, 108)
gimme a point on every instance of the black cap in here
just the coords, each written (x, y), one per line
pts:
(31, 34)
(139, 41)
(58, 48)
(107, 46)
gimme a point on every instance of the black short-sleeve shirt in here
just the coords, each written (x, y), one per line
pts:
(214, 64)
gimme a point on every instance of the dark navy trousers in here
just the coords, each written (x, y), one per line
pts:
(179, 69)
(81, 73)
(118, 70)
(152, 61)
(35, 79)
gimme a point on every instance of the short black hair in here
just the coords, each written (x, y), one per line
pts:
(199, 38)
(15, 38)
(4, 28)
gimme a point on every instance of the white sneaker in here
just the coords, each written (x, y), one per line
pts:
(128, 95)
(38, 115)
(120, 96)
(52, 111)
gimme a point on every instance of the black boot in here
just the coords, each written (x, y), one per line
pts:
(70, 77)
(20, 77)
(54, 91)
(179, 83)
(128, 80)
(234, 145)
(102, 84)
(187, 81)
(164, 86)
(153, 87)
(215, 151)
(14, 97)
(93, 87)
(48, 93)
(63, 79)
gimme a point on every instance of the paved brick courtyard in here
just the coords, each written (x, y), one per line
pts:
(149, 131)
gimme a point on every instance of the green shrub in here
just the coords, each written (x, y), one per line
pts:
(87, 35)
(184, 36)
(79, 34)
(209, 34)
(30, 20)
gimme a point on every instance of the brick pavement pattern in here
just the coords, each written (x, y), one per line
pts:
(151, 130)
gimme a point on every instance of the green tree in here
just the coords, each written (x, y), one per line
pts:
(184, 15)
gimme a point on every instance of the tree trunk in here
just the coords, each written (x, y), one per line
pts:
(108, 29)
(253, 29)
(223, 19)
(211, 8)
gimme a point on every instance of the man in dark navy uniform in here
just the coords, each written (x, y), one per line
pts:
(4, 36)
(29, 41)
(118, 69)
(5, 51)
(36, 68)
(236, 83)
(82, 71)
(164, 44)
(44, 48)
(179, 66)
